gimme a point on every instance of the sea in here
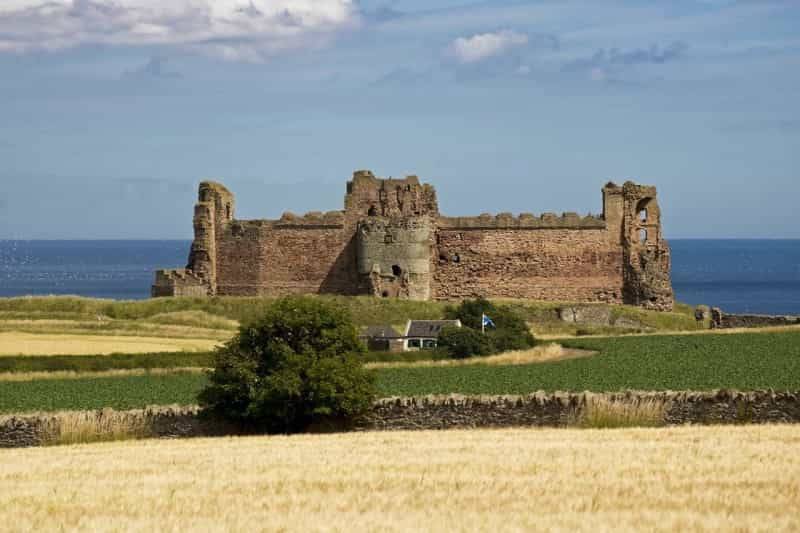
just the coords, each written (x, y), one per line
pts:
(740, 276)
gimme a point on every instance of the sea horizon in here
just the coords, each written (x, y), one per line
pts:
(739, 275)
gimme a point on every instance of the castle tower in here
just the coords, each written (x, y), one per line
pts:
(214, 209)
(370, 196)
(646, 267)
(394, 256)
(394, 221)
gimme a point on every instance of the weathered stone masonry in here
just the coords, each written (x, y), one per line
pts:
(391, 241)
(454, 411)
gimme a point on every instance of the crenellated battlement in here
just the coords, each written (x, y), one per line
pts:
(312, 219)
(391, 241)
(524, 221)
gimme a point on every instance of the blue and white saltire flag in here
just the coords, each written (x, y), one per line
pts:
(486, 321)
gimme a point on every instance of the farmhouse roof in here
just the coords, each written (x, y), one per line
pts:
(429, 328)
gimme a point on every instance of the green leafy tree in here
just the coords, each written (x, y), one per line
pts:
(464, 342)
(296, 364)
(510, 331)
(470, 312)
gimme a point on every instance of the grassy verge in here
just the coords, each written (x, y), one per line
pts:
(745, 361)
(601, 413)
(405, 357)
(542, 353)
(115, 328)
(68, 374)
(82, 427)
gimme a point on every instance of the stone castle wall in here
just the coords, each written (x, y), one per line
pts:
(722, 320)
(391, 241)
(574, 265)
(280, 259)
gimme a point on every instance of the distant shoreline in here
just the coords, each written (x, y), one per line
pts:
(739, 275)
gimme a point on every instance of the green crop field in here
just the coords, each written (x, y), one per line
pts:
(744, 361)
(127, 392)
(673, 362)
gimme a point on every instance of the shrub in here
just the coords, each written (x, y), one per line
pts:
(464, 342)
(295, 365)
(79, 427)
(510, 331)
(601, 413)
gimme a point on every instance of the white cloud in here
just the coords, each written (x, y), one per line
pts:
(484, 45)
(233, 29)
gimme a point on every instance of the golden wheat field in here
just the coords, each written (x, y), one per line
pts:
(18, 343)
(744, 478)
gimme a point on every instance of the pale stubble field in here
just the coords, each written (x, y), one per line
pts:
(744, 478)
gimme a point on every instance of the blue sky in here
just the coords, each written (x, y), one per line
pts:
(112, 112)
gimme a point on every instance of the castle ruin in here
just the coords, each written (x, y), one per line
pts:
(391, 241)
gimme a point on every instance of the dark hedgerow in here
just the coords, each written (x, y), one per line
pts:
(298, 363)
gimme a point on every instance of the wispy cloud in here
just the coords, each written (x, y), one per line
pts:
(156, 67)
(605, 63)
(249, 30)
(503, 54)
(615, 56)
(482, 46)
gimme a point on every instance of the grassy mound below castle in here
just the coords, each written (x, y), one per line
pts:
(218, 317)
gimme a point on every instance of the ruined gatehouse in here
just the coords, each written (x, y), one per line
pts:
(391, 241)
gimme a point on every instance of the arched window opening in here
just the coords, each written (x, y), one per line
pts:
(456, 258)
(647, 209)
(643, 236)
(396, 270)
(385, 294)
(372, 211)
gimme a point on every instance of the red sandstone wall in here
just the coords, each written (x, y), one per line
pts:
(271, 261)
(544, 264)
(567, 258)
